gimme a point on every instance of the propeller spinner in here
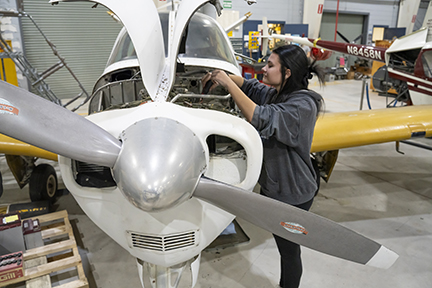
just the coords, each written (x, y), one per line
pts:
(160, 163)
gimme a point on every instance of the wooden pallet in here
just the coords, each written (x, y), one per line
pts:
(60, 252)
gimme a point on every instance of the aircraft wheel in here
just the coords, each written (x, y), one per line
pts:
(43, 183)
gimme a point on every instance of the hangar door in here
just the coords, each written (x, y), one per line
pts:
(349, 25)
(82, 35)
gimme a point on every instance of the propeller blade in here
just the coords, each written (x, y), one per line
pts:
(357, 38)
(296, 225)
(39, 122)
(343, 37)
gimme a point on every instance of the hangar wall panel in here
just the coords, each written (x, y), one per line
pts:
(350, 25)
(82, 35)
(277, 10)
(383, 12)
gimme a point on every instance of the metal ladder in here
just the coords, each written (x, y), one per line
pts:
(36, 79)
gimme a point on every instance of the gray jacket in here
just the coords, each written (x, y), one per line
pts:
(286, 130)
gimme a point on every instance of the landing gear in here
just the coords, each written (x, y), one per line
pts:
(156, 276)
(43, 183)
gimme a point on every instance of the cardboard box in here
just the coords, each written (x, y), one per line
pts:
(364, 70)
(350, 75)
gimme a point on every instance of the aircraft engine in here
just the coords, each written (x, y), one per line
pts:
(383, 83)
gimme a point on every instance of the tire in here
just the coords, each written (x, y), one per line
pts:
(43, 183)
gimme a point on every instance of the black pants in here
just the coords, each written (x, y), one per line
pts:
(291, 264)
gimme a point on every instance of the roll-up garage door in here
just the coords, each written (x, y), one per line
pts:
(350, 25)
(82, 35)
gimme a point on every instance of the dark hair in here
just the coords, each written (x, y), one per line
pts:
(294, 58)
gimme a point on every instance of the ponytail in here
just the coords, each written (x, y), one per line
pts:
(317, 70)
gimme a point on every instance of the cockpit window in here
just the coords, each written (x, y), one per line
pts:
(205, 40)
(125, 50)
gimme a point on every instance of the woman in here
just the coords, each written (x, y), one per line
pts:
(284, 115)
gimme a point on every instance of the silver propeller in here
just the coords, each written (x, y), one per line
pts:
(34, 120)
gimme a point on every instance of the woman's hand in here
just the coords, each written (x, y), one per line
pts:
(206, 84)
(232, 84)
(221, 78)
(217, 77)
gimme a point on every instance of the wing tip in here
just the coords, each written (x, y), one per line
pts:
(384, 258)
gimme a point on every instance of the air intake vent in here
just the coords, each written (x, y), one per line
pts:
(83, 167)
(163, 243)
(91, 175)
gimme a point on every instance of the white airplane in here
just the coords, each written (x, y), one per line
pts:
(155, 165)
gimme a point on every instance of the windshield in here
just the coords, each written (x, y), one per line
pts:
(205, 40)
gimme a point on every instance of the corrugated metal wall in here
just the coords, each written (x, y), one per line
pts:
(82, 35)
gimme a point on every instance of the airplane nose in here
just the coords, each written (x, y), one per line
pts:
(160, 164)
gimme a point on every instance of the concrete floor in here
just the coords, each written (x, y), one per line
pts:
(373, 190)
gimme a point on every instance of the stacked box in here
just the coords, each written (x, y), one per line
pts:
(11, 235)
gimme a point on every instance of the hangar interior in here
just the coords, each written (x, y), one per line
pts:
(382, 191)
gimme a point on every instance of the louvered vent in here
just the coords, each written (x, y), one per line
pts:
(83, 167)
(91, 175)
(163, 243)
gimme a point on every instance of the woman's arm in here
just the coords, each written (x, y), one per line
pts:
(238, 80)
(233, 83)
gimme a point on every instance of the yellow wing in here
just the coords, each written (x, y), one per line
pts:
(335, 131)
(11, 146)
